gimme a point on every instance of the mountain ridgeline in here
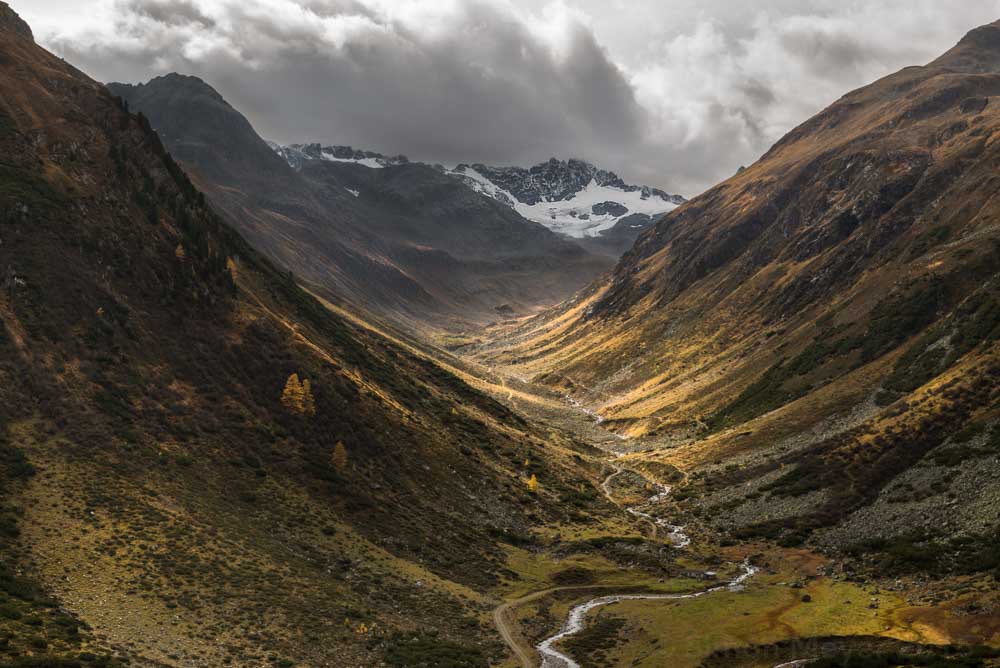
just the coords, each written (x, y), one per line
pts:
(161, 499)
(829, 315)
(406, 241)
(571, 197)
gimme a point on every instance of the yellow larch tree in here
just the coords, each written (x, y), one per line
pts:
(293, 397)
(297, 397)
(533, 483)
(339, 457)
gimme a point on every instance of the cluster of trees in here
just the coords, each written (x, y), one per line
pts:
(297, 397)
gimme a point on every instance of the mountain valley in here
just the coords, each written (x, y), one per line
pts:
(402, 239)
(307, 405)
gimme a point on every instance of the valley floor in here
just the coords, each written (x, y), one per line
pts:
(798, 603)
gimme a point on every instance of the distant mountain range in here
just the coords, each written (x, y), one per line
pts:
(405, 239)
(571, 197)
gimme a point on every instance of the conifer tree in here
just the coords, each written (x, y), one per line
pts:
(339, 457)
(292, 398)
(533, 483)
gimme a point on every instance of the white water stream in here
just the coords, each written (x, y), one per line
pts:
(575, 622)
(675, 532)
(553, 658)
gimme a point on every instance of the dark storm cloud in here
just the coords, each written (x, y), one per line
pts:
(169, 12)
(470, 83)
(676, 94)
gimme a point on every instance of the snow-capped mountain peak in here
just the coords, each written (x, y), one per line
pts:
(297, 154)
(569, 196)
(572, 197)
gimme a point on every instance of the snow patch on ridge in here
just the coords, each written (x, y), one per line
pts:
(582, 213)
(575, 216)
(372, 163)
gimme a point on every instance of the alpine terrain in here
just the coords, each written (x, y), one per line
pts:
(570, 197)
(406, 240)
(272, 405)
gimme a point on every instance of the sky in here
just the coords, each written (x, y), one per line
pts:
(671, 93)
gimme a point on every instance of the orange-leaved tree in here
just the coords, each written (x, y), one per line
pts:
(339, 457)
(533, 483)
(292, 396)
(297, 397)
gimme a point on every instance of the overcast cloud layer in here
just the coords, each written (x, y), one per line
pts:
(673, 93)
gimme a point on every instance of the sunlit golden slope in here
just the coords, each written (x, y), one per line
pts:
(891, 188)
(829, 313)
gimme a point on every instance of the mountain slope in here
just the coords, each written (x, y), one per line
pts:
(398, 248)
(464, 248)
(158, 486)
(820, 323)
(596, 207)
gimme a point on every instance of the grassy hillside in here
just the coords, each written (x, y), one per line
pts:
(156, 487)
(807, 333)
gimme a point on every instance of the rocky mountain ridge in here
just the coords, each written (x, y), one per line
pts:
(298, 154)
(556, 180)
(401, 238)
(571, 197)
(9, 20)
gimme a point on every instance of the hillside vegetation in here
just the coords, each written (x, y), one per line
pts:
(817, 336)
(165, 482)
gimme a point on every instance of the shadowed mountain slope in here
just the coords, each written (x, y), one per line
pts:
(165, 491)
(405, 240)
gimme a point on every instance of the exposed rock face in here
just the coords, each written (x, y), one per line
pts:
(9, 20)
(558, 180)
(609, 208)
(570, 197)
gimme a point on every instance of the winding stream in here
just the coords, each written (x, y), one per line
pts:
(575, 622)
(675, 532)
